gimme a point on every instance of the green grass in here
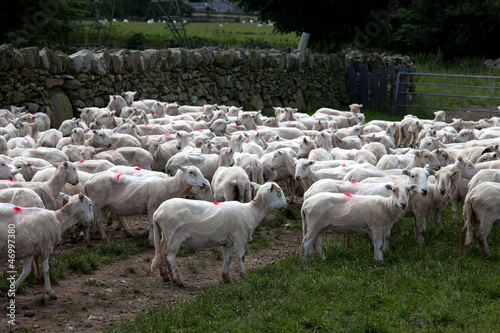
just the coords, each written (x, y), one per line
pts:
(435, 288)
(200, 34)
(85, 261)
(475, 101)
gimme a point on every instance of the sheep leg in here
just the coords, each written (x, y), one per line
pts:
(38, 273)
(225, 268)
(463, 237)
(240, 252)
(304, 247)
(151, 231)
(317, 246)
(454, 205)
(437, 219)
(98, 221)
(348, 241)
(172, 249)
(125, 227)
(46, 278)
(378, 246)
(482, 233)
(419, 231)
(26, 271)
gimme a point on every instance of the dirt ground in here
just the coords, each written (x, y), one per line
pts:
(117, 292)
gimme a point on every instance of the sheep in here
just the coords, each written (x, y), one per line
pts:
(482, 206)
(49, 190)
(21, 142)
(38, 231)
(77, 153)
(350, 214)
(22, 197)
(485, 175)
(68, 125)
(125, 195)
(131, 156)
(99, 139)
(77, 137)
(93, 166)
(206, 224)
(207, 163)
(6, 172)
(231, 184)
(252, 165)
(52, 155)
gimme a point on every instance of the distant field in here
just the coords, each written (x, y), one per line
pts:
(244, 35)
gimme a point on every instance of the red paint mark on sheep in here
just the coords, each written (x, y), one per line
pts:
(138, 168)
(119, 175)
(172, 123)
(142, 100)
(18, 210)
(26, 139)
(81, 161)
(348, 195)
(115, 149)
(146, 124)
(13, 181)
(35, 148)
(354, 183)
(343, 165)
(217, 203)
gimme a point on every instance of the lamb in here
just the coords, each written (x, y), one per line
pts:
(231, 184)
(38, 231)
(206, 224)
(49, 190)
(22, 197)
(77, 137)
(77, 153)
(52, 155)
(482, 206)
(128, 195)
(99, 139)
(485, 175)
(350, 214)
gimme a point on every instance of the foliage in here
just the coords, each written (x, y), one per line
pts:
(453, 28)
(331, 23)
(28, 22)
(145, 9)
(136, 41)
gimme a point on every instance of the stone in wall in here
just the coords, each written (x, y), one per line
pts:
(60, 107)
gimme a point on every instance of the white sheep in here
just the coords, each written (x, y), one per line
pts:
(352, 214)
(125, 195)
(38, 231)
(206, 224)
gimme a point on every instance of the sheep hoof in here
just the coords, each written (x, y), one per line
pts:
(52, 296)
(225, 277)
(178, 283)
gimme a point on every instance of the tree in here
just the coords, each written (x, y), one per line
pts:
(331, 24)
(25, 22)
(453, 28)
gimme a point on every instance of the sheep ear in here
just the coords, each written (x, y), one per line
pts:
(413, 188)
(460, 159)
(388, 187)
(180, 167)
(406, 172)
(81, 197)
(272, 187)
(456, 173)
(65, 164)
(255, 186)
(311, 162)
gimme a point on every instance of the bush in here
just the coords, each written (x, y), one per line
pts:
(136, 41)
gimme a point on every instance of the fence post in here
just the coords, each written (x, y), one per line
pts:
(363, 85)
(383, 88)
(392, 100)
(353, 86)
(374, 89)
(401, 92)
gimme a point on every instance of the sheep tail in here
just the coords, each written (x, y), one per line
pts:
(468, 222)
(157, 240)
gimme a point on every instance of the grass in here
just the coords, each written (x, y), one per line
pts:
(473, 93)
(436, 288)
(85, 261)
(200, 34)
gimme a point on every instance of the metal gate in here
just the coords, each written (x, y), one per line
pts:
(446, 92)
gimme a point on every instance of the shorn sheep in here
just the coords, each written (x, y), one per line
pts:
(344, 213)
(209, 224)
(38, 231)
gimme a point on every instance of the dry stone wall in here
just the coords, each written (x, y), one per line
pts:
(59, 84)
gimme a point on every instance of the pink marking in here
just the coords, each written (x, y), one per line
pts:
(444, 129)
(168, 134)
(217, 203)
(18, 210)
(146, 124)
(347, 128)
(343, 165)
(394, 178)
(26, 139)
(348, 195)
(110, 133)
(13, 181)
(354, 183)
(142, 100)
(115, 149)
(81, 161)
(200, 131)
(138, 168)
(119, 175)
(255, 130)
(172, 123)
(35, 148)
